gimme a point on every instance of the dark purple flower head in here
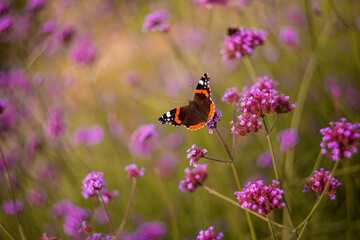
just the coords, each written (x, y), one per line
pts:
(319, 182)
(288, 35)
(89, 136)
(260, 198)
(212, 3)
(84, 52)
(6, 23)
(3, 106)
(36, 197)
(340, 139)
(194, 154)
(48, 27)
(287, 139)
(143, 141)
(93, 182)
(34, 5)
(247, 123)
(193, 178)
(56, 124)
(65, 35)
(156, 21)
(213, 122)
(242, 43)
(10, 208)
(231, 96)
(133, 171)
(107, 196)
(4, 7)
(209, 235)
(147, 231)
(264, 160)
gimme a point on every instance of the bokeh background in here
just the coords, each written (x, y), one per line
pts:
(94, 67)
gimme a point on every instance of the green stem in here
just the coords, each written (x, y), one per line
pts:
(106, 212)
(317, 163)
(250, 68)
(217, 160)
(302, 231)
(224, 144)
(7, 231)
(271, 227)
(323, 194)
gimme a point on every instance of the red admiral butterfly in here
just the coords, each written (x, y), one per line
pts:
(199, 111)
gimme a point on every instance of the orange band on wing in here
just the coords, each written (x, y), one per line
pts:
(176, 119)
(212, 111)
(197, 126)
(203, 92)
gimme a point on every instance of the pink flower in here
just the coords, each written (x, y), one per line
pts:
(92, 183)
(231, 96)
(287, 139)
(133, 171)
(209, 235)
(156, 21)
(247, 123)
(194, 178)
(194, 154)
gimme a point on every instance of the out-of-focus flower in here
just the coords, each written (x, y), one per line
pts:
(295, 15)
(107, 196)
(194, 178)
(44, 237)
(46, 173)
(242, 43)
(319, 182)
(143, 140)
(4, 7)
(36, 197)
(6, 23)
(212, 3)
(287, 139)
(288, 35)
(340, 139)
(264, 160)
(61, 208)
(174, 140)
(33, 142)
(65, 35)
(209, 235)
(88, 136)
(9, 119)
(213, 122)
(92, 183)
(263, 83)
(247, 124)
(166, 165)
(115, 127)
(3, 106)
(156, 21)
(10, 208)
(331, 85)
(84, 52)
(10, 160)
(133, 171)
(33, 5)
(98, 236)
(85, 228)
(48, 27)
(56, 124)
(260, 198)
(231, 96)
(194, 154)
(148, 231)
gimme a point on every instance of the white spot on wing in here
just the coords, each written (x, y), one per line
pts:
(168, 114)
(201, 82)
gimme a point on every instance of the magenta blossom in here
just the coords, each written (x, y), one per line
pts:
(36, 197)
(247, 123)
(156, 21)
(263, 83)
(212, 3)
(209, 235)
(143, 141)
(6, 23)
(340, 139)
(98, 236)
(4, 7)
(265, 160)
(56, 123)
(107, 196)
(287, 139)
(92, 183)
(84, 52)
(88, 136)
(3, 106)
(48, 27)
(34, 5)
(260, 198)
(133, 171)
(319, 183)
(212, 124)
(148, 231)
(288, 35)
(194, 154)
(194, 178)
(85, 228)
(231, 96)
(10, 208)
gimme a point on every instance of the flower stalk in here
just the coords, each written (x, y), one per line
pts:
(107, 213)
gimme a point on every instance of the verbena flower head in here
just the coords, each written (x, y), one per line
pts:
(85, 228)
(10, 208)
(247, 123)
(143, 141)
(242, 43)
(3, 106)
(287, 139)
(65, 35)
(89, 136)
(288, 35)
(149, 231)
(107, 196)
(6, 23)
(213, 122)
(260, 198)
(209, 235)
(194, 178)
(34, 5)
(48, 27)
(263, 83)
(92, 183)
(194, 154)
(265, 160)
(340, 139)
(212, 3)
(231, 96)
(319, 182)
(56, 123)
(156, 21)
(98, 236)
(84, 52)
(133, 171)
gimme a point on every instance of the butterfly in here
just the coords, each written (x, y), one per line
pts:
(199, 111)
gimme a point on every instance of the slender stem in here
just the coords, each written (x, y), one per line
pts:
(11, 190)
(250, 68)
(302, 231)
(107, 213)
(271, 150)
(223, 142)
(217, 160)
(271, 227)
(127, 211)
(214, 192)
(7, 231)
(317, 163)
(238, 183)
(234, 135)
(321, 197)
(272, 127)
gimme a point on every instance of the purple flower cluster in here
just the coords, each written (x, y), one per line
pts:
(10, 208)
(242, 43)
(147, 231)
(231, 96)
(93, 182)
(287, 139)
(36, 197)
(143, 140)
(194, 178)
(247, 123)
(340, 139)
(319, 182)
(156, 21)
(194, 154)
(48, 27)
(263, 83)
(211, 3)
(97, 236)
(85, 228)
(264, 160)
(213, 122)
(4, 7)
(288, 35)
(3, 106)
(88, 136)
(133, 171)
(209, 235)
(6, 23)
(56, 123)
(260, 198)
(107, 195)
(84, 52)
(34, 5)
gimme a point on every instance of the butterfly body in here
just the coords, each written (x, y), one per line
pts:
(197, 113)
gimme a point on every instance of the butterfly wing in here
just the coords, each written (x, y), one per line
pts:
(174, 117)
